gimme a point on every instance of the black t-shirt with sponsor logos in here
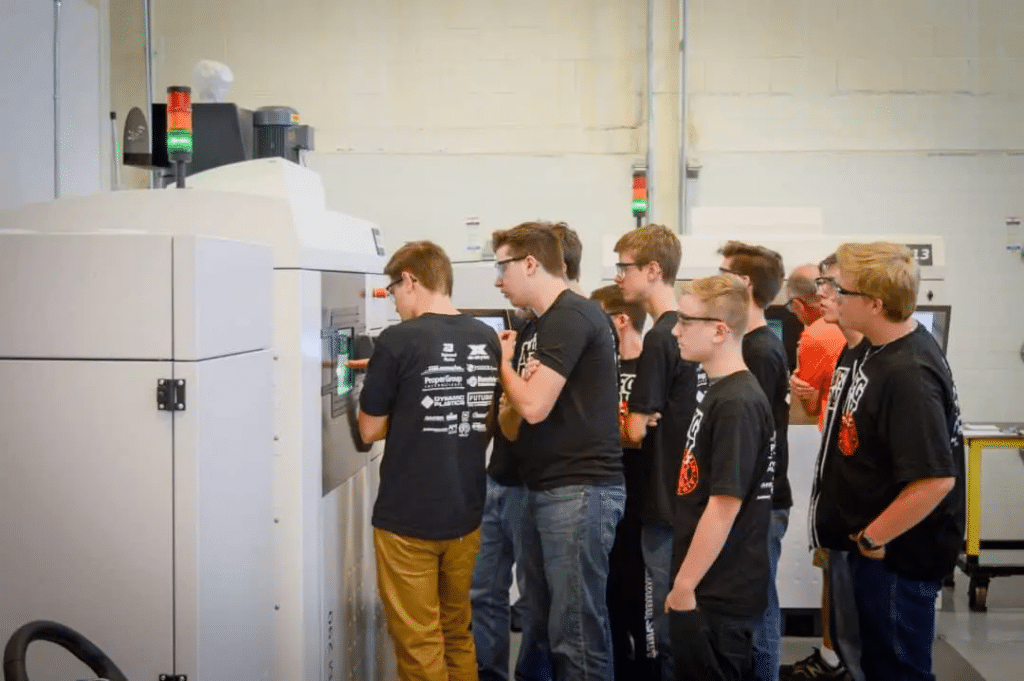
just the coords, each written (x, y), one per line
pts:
(765, 356)
(632, 457)
(578, 443)
(666, 384)
(729, 452)
(900, 423)
(826, 529)
(503, 467)
(435, 376)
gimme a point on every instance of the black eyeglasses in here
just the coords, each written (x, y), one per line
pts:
(726, 270)
(390, 288)
(622, 267)
(826, 282)
(687, 319)
(501, 265)
(846, 292)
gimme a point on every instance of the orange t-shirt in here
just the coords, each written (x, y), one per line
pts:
(817, 352)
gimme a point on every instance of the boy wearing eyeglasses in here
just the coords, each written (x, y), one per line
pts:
(765, 356)
(899, 478)
(665, 393)
(568, 450)
(723, 493)
(429, 390)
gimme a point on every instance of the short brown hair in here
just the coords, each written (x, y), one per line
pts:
(726, 297)
(762, 265)
(426, 261)
(886, 271)
(572, 249)
(536, 239)
(653, 243)
(610, 298)
(830, 261)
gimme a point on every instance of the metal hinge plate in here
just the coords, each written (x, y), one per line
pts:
(170, 396)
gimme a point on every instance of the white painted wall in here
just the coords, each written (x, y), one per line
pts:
(27, 98)
(428, 112)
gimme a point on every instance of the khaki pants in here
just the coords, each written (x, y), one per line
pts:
(424, 586)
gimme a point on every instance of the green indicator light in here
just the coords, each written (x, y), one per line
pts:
(639, 205)
(179, 141)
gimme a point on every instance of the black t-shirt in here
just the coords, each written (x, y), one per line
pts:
(825, 527)
(900, 423)
(729, 453)
(632, 457)
(667, 384)
(503, 466)
(435, 376)
(765, 356)
(578, 443)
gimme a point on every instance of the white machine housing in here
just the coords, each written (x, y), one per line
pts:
(145, 530)
(326, 617)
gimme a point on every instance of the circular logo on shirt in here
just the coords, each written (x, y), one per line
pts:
(688, 474)
(848, 440)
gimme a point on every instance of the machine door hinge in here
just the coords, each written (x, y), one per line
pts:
(170, 396)
(173, 677)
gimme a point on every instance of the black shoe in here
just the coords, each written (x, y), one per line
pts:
(812, 667)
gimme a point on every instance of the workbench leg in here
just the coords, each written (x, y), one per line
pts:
(977, 594)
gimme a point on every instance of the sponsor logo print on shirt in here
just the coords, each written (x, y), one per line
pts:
(442, 383)
(477, 351)
(479, 399)
(448, 352)
(479, 427)
(480, 367)
(448, 368)
(482, 381)
(443, 401)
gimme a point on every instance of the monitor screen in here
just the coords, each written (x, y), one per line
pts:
(495, 318)
(935, 318)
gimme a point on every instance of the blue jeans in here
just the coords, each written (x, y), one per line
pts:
(768, 633)
(843, 618)
(657, 549)
(897, 621)
(566, 543)
(500, 548)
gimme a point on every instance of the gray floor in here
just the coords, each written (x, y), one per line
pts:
(970, 646)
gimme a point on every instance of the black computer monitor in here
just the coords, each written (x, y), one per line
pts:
(935, 318)
(496, 318)
(787, 328)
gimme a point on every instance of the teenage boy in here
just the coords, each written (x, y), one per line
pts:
(630, 609)
(899, 482)
(840, 651)
(661, 404)
(765, 356)
(568, 448)
(419, 396)
(723, 493)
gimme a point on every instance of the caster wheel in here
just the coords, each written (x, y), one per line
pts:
(977, 594)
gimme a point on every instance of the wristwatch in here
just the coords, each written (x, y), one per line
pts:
(867, 543)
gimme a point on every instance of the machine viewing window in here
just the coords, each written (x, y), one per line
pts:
(495, 318)
(935, 318)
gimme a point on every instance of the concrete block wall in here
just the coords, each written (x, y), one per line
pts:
(882, 112)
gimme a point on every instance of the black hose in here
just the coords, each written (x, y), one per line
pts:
(66, 637)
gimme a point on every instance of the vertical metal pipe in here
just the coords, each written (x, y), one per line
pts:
(56, 99)
(115, 161)
(149, 81)
(684, 119)
(652, 187)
